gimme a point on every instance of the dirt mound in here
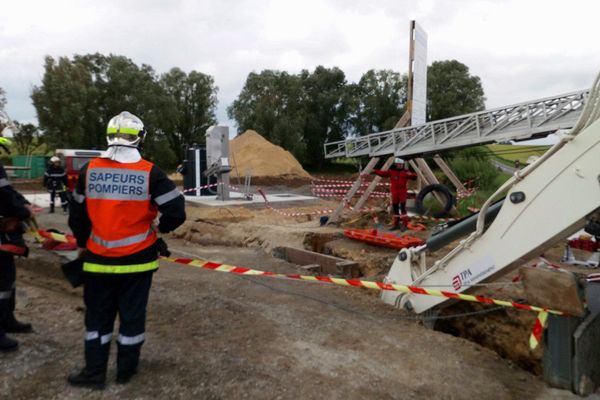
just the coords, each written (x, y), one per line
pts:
(250, 152)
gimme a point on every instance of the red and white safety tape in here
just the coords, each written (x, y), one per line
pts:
(463, 194)
(291, 214)
(349, 185)
(379, 195)
(341, 191)
(335, 180)
(209, 186)
(201, 187)
(534, 339)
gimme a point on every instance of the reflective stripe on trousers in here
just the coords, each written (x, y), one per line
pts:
(93, 335)
(7, 294)
(131, 340)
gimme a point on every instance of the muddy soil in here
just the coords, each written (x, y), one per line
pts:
(213, 335)
(504, 331)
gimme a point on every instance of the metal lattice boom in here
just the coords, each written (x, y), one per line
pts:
(532, 119)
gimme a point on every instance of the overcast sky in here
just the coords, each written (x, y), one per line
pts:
(522, 50)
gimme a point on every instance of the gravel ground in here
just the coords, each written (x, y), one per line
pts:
(212, 335)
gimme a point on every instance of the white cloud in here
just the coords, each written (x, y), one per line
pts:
(522, 50)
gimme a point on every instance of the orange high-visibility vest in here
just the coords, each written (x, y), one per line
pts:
(118, 204)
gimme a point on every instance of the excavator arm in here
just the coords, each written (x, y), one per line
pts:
(544, 203)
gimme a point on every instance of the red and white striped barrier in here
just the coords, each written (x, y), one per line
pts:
(379, 195)
(348, 185)
(534, 340)
(291, 214)
(538, 329)
(339, 281)
(463, 194)
(210, 186)
(201, 187)
(335, 180)
(342, 191)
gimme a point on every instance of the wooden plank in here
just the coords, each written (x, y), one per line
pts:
(430, 178)
(350, 194)
(403, 121)
(363, 199)
(449, 173)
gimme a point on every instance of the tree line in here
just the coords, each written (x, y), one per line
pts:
(299, 112)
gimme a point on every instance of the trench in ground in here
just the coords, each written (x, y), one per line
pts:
(504, 330)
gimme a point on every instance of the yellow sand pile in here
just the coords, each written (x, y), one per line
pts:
(250, 152)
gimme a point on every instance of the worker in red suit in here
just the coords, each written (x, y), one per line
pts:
(399, 176)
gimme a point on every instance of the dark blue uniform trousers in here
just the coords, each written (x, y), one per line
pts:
(105, 295)
(7, 288)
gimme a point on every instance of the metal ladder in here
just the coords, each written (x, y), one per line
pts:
(531, 119)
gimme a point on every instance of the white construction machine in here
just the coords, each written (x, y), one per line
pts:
(556, 196)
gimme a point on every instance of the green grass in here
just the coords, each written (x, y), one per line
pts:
(481, 195)
(509, 153)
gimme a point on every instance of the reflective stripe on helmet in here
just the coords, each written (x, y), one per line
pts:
(129, 131)
(120, 269)
(111, 244)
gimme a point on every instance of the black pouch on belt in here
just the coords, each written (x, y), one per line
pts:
(73, 271)
(11, 225)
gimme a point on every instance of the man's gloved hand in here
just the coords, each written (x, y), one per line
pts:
(163, 249)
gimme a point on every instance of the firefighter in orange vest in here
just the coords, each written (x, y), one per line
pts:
(116, 202)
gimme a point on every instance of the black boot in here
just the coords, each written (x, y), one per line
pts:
(85, 378)
(7, 344)
(52, 209)
(14, 326)
(124, 377)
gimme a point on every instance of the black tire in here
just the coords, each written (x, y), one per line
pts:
(443, 190)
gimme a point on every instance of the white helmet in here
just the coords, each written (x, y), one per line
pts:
(398, 160)
(125, 129)
(54, 159)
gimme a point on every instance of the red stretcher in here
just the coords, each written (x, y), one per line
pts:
(385, 239)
